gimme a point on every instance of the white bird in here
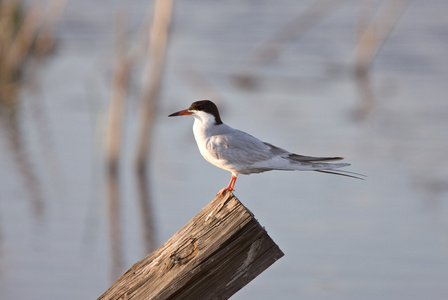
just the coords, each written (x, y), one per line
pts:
(240, 153)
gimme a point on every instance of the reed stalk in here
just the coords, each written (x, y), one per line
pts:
(152, 78)
(368, 46)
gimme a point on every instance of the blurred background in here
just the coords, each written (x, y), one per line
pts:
(94, 176)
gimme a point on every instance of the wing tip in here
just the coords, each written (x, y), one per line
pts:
(312, 159)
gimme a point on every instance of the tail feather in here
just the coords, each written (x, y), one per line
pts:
(319, 164)
(343, 173)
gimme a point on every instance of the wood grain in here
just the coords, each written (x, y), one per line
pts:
(212, 257)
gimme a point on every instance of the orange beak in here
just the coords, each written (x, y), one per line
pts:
(184, 112)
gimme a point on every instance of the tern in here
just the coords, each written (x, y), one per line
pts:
(241, 153)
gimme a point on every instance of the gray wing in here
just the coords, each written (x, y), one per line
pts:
(241, 147)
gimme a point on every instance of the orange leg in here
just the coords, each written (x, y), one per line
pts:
(229, 187)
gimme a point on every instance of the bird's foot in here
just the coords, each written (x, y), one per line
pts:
(227, 188)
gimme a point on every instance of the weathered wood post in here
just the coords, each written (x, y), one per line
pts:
(212, 257)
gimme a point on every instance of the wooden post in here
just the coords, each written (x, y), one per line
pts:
(212, 257)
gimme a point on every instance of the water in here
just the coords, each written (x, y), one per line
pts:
(383, 238)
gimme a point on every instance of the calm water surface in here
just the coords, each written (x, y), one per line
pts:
(383, 238)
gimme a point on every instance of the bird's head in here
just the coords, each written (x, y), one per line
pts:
(202, 110)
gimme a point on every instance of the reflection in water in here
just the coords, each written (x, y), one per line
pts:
(25, 33)
(146, 213)
(44, 132)
(371, 37)
(152, 81)
(113, 146)
(366, 95)
(152, 78)
(10, 123)
(114, 220)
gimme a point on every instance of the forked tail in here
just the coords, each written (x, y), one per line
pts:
(343, 173)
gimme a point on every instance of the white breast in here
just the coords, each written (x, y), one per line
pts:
(207, 136)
